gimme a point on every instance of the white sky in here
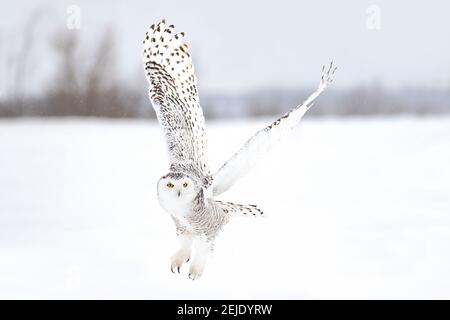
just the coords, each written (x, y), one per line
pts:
(240, 45)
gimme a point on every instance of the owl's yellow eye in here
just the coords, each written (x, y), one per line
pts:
(185, 185)
(170, 185)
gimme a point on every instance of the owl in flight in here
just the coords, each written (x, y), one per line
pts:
(187, 191)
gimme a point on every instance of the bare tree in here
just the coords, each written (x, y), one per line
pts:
(21, 61)
(91, 87)
(102, 89)
(64, 93)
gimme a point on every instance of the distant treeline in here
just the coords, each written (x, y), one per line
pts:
(91, 87)
(371, 100)
(122, 102)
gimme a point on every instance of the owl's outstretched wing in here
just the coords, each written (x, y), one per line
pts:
(174, 96)
(244, 159)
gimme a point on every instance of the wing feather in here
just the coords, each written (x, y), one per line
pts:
(174, 96)
(263, 141)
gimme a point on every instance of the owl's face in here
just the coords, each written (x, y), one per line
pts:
(177, 189)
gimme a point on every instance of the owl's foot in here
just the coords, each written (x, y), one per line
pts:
(203, 249)
(196, 269)
(183, 254)
(178, 259)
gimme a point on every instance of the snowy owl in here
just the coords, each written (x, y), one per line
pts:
(187, 191)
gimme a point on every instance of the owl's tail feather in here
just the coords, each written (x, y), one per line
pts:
(246, 210)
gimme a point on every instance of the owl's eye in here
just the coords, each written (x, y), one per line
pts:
(170, 185)
(185, 185)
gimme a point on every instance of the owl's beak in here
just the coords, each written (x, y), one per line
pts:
(179, 192)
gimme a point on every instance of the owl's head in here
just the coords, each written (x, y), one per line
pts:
(177, 187)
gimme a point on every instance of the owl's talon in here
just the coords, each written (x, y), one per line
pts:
(193, 276)
(178, 259)
(195, 270)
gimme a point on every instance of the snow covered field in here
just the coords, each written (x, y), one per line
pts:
(355, 208)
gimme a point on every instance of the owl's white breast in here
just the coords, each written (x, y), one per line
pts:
(178, 210)
(174, 206)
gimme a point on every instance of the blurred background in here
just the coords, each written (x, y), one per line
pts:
(356, 201)
(82, 58)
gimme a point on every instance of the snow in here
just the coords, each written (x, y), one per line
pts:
(355, 208)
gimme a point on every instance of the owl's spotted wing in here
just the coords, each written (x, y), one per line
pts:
(246, 157)
(173, 93)
(244, 210)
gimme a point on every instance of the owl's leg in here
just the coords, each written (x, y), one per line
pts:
(203, 248)
(184, 252)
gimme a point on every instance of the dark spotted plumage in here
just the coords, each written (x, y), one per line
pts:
(249, 209)
(178, 110)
